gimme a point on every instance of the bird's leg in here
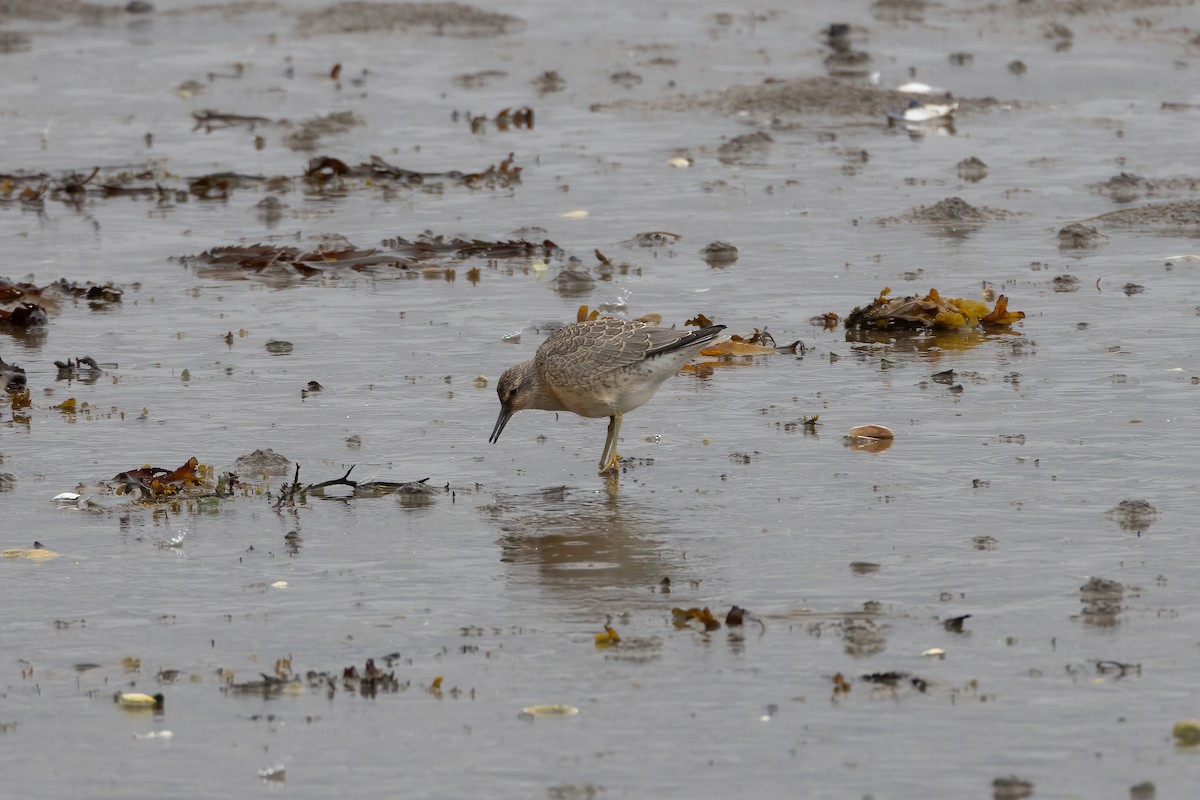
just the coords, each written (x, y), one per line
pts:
(609, 458)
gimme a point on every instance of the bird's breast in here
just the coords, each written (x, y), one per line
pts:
(617, 393)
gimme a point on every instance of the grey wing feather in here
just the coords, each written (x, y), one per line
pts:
(604, 346)
(665, 341)
(594, 348)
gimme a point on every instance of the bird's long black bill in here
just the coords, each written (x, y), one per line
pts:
(505, 416)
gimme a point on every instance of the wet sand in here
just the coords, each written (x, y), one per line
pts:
(1002, 497)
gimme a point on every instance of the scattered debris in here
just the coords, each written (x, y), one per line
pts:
(210, 121)
(870, 432)
(548, 82)
(36, 553)
(438, 19)
(745, 148)
(626, 79)
(1133, 515)
(1102, 602)
(1187, 732)
(682, 616)
(25, 305)
(971, 169)
(1143, 791)
(262, 463)
(1182, 215)
(556, 710)
(308, 137)
(137, 701)
(433, 246)
(505, 120)
(719, 254)
(653, 239)
(277, 772)
(608, 637)
(1065, 284)
(919, 112)
(951, 212)
(156, 483)
(12, 378)
(1122, 188)
(325, 171)
(478, 80)
(931, 312)
(235, 262)
(1011, 788)
(23, 315)
(1078, 236)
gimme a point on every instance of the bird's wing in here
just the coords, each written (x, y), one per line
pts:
(604, 346)
(663, 340)
(593, 348)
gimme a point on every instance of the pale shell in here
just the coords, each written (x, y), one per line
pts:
(871, 432)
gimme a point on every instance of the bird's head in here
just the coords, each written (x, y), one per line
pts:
(517, 390)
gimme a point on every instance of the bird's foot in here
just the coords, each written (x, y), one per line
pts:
(612, 466)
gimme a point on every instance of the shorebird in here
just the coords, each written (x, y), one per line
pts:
(601, 368)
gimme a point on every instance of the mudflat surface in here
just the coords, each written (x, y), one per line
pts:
(271, 193)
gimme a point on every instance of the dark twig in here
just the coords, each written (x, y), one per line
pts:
(342, 481)
(287, 492)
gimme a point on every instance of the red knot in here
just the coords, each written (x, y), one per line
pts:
(601, 368)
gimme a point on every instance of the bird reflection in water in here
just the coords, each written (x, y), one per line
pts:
(584, 541)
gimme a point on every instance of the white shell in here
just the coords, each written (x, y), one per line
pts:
(930, 111)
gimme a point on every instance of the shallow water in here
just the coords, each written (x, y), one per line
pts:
(501, 582)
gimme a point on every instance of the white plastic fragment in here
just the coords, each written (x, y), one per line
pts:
(275, 773)
(154, 735)
(552, 710)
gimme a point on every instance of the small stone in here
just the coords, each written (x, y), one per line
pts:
(1142, 791)
(719, 253)
(1065, 284)
(1011, 788)
(1077, 236)
(971, 169)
